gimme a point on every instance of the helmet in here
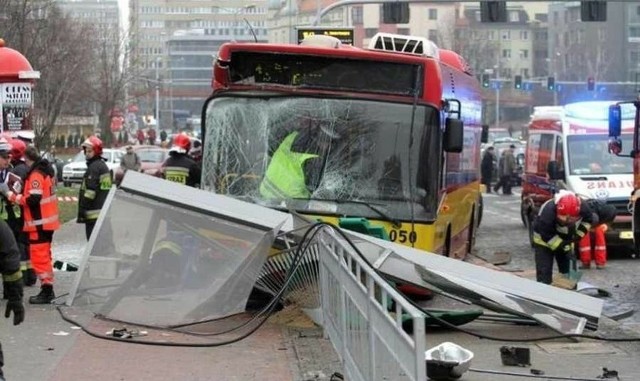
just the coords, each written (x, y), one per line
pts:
(567, 204)
(181, 144)
(94, 143)
(196, 150)
(5, 147)
(17, 149)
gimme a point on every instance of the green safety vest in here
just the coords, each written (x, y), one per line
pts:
(285, 176)
(4, 209)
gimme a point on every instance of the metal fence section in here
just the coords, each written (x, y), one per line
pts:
(376, 332)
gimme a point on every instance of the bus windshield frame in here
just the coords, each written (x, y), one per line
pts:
(371, 155)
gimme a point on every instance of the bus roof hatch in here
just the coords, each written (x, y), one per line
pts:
(406, 44)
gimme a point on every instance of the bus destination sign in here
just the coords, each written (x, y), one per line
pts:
(345, 35)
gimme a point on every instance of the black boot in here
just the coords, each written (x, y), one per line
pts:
(4, 290)
(29, 277)
(45, 296)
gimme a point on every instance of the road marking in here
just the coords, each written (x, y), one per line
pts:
(67, 199)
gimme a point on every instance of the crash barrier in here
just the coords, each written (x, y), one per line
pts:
(363, 317)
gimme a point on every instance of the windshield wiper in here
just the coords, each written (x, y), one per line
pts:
(380, 211)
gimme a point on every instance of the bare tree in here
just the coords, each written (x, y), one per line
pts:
(55, 45)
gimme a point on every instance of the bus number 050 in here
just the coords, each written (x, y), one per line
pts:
(403, 236)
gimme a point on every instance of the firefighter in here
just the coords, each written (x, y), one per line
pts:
(596, 236)
(561, 221)
(298, 163)
(20, 168)
(96, 184)
(179, 167)
(12, 279)
(40, 206)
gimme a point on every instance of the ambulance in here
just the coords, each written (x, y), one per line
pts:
(567, 148)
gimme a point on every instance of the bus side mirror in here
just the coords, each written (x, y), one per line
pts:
(553, 170)
(484, 137)
(615, 146)
(615, 121)
(453, 135)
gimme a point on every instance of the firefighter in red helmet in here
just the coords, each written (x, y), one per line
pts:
(179, 167)
(95, 185)
(561, 221)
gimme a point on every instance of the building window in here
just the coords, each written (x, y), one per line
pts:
(433, 14)
(433, 36)
(491, 35)
(506, 34)
(514, 16)
(524, 53)
(404, 31)
(506, 53)
(634, 31)
(370, 32)
(356, 15)
(524, 35)
(524, 72)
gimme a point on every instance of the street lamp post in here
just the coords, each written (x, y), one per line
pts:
(497, 69)
(157, 116)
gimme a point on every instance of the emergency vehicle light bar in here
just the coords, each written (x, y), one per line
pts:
(407, 44)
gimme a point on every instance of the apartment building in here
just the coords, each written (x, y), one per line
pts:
(173, 44)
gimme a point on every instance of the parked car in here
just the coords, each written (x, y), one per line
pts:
(151, 158)
(57, 163)
(74, 171)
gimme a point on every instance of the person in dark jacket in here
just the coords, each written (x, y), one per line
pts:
(561, 222)
(179, 167)
(12, 279)
(20, 168)
(487, 166)
(96, 184)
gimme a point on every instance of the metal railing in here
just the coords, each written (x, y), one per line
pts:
(366, 319)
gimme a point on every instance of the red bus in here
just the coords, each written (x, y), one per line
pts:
(390, 134)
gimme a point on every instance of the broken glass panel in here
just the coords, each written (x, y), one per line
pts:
(371, 153)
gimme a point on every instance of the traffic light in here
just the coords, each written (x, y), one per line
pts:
(591, 10)
(517, 82)
(486, 82)
(493, 11)
(551, 83)
(591, 83)
(395, 13)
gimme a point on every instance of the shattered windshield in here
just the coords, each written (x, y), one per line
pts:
(589, 155)
(328, 156)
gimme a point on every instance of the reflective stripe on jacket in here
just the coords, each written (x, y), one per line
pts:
(285, 176)
(95, 187)
(182, 169)
(39, 201)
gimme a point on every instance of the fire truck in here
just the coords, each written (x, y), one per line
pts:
(620, 135)
(567, 149)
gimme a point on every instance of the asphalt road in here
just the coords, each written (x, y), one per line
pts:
(502, 230)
